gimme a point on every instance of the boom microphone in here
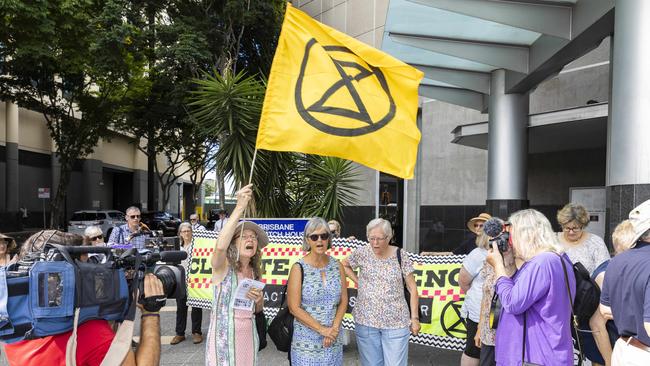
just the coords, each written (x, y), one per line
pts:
(493, 227)
(173, 256)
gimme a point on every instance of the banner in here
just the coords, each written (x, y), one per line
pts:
(281, 227)
(341, 97)
(436, 277)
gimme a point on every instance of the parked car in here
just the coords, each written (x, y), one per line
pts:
(107, 219)
(161, 220)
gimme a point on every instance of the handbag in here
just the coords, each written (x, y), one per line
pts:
(260, 324)
(407, 294)
(281, 328)
(573, 320)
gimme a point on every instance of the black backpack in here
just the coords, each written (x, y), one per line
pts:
(587, 295)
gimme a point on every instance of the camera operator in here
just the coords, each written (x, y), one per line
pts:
(536, 309)
(94, 337)
(133, 232)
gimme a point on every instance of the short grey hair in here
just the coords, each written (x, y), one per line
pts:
(132, 208)
(383, 224)
(92, 231)
(312, 225)
(194, 216)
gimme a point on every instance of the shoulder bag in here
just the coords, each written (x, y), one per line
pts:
(281, 328)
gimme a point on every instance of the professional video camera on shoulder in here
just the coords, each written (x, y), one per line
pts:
(50, 290)
(498, 231)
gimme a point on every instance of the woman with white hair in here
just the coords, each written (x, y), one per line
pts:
(237, 255)
(382, 317)
(7, 244)
(317, 297)
(185, 238)
(535, 321)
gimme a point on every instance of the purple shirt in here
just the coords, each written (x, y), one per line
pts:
(539, 290)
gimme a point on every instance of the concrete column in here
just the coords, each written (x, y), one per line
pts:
(507, 149)
(412, 201)
(628, 130)
(11, 181)
(92, 176)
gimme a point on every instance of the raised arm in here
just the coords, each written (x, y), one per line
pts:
(219, 262)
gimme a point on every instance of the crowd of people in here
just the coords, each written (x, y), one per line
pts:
(518, 307)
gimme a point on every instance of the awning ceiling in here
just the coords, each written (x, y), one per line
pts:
(458, 43)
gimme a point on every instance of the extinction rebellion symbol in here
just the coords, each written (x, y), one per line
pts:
(452, 322)
(362, 120)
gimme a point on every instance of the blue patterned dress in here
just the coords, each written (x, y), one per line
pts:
(321, 302)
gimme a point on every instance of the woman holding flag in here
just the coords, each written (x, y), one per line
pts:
(236, 256)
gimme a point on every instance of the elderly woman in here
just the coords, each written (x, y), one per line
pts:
(185, 237)
(7, 244)
(590, 250)
(471, 282)
(317, 297)
(536, 308)
(237, 255)
(334, 228)
(381, 314)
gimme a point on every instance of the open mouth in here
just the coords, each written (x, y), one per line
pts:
(249, 246)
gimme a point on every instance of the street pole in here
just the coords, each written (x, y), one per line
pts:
(179, 184)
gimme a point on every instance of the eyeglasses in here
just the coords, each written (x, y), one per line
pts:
(193, 219)
(251, 237)
(185, 231)
(96, 237)
(571, 229)
(381, 238)
(478, 226)
(133, 217)
(333, 232)
(323, 236)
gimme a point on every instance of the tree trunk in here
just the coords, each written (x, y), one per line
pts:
(57, 205)
(222, 190)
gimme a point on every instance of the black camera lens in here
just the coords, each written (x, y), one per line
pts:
(172, 278)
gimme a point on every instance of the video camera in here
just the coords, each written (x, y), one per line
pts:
(45, 290)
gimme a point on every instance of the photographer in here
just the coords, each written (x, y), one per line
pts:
(534, 323)
(94, 337)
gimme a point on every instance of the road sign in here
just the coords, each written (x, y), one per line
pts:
(43, 193)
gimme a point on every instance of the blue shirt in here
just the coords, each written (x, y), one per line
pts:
(626, 290)
(122, 235)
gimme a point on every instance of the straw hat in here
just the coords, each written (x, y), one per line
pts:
(11, 243)
(483, 217)
(640, 220)
(262, 238)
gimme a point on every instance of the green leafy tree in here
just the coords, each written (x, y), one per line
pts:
(69, 61)
(286, 184)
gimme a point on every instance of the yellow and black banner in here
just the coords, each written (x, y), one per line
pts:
(436, 276)
(330, 94)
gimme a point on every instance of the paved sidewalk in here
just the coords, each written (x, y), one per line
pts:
(186, 353)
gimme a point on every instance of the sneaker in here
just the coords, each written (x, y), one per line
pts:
(197, 338)
(177, 339)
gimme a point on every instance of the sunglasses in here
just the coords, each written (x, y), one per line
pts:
(133, 217)
(96, 237)
(323, 236)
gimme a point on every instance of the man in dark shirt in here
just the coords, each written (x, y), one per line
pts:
(625, 295)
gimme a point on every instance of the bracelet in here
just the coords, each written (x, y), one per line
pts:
(150, 314)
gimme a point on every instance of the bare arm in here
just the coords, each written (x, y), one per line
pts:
(148, 352)
(414, 300)
(465, 279)
(294, 299)
(340, 310)
(219, 262)
(606, 311)
(349, 272)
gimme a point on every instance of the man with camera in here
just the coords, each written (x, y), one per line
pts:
(94, 340)
(133, 232)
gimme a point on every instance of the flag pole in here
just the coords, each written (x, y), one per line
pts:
(250, 179)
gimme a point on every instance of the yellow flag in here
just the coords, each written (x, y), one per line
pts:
(330, 94)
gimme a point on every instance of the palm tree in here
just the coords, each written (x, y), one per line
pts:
(227, 107)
